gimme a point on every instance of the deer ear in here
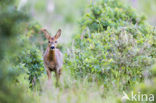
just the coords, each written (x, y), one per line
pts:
(46, 34)
(58, 34)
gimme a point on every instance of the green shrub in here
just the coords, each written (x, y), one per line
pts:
(33, 64)
(110, 13)
(115, 45)
(29, 60)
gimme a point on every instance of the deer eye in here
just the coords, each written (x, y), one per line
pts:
(55, 41)
(48, 41)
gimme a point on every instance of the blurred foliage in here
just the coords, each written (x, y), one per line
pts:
(146, 87)
(76, 10)
(115, 45)
(11, 25)
(54, 15)
(147, 7)
(35, 36)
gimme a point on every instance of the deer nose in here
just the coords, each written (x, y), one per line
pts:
(52, 47)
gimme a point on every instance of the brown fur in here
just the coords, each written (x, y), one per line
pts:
(53, 59)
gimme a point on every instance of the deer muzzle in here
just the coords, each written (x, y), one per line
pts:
(52, 47)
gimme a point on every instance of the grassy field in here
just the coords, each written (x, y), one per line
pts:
(71, 90)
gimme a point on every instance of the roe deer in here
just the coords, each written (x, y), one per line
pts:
(53, 58)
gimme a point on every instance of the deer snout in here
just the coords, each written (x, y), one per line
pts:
(52, 47)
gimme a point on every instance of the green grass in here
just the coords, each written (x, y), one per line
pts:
(71, 90)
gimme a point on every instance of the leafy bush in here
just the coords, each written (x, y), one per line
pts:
(115, 45)
(110, 13)
(33, 64)
(29, 60)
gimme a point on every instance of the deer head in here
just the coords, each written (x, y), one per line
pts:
(52, 41)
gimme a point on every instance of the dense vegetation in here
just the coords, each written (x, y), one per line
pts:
(31, 61)
(113, 50)
(115, 44)
(10, 22)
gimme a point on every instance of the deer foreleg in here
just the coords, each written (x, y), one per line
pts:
(57, 73)
(49, 74)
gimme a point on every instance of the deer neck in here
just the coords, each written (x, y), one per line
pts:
(51, 55)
